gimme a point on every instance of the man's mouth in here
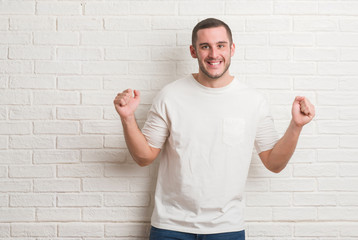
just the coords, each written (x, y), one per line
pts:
(213, 63)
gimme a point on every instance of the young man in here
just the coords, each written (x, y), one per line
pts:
(205, 126)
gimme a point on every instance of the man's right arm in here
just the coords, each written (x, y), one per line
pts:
(137, 144)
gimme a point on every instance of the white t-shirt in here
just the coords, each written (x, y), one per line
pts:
(207, 136)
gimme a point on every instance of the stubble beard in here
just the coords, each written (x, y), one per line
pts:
(213, 77)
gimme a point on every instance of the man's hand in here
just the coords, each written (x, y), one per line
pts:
(126, 104)
(303, 111)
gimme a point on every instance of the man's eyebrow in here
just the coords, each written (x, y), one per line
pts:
(220, 42)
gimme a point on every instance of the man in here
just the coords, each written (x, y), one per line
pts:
(205, 126)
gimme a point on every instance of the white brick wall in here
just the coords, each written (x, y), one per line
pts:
(65, 172)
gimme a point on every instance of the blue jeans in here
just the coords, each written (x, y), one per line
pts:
(162, 234)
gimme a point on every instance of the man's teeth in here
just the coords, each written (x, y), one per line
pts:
(215, 63)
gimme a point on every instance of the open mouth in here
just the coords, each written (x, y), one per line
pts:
(214, 63)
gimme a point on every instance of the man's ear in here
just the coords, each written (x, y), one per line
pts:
(232, 49)
(193, 52)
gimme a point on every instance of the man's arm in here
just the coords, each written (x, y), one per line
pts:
(277, 158)
(137, 144)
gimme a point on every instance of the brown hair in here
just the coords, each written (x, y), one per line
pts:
(209, 23)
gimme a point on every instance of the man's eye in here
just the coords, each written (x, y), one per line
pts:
(204, 47)
(221, 46)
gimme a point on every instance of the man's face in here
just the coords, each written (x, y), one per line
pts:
(213, 51)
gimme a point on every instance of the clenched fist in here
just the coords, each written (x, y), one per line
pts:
(126, 104)
(303, 111)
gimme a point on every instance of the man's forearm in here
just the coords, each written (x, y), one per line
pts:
(137, 144)
(284, 148)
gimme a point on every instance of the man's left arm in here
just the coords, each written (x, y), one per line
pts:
(277, 158)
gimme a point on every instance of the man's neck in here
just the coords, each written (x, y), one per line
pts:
(223, 81)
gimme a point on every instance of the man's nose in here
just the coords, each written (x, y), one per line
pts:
(213, 53)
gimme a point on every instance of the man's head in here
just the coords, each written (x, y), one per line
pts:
(213, 47)
(209, 23)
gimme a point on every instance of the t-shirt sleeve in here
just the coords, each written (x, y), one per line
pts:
(155, 129)
(266, 135)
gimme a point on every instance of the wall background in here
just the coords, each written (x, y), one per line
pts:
(65, 172)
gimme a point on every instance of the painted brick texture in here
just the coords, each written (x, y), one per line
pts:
(65, 172)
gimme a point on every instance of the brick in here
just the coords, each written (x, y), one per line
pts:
(152, 68)
(107, 8)
(58, 215)
(315, 24)
(127, 23)
(336, 8)
(31, 171)
(170, 54)
(337, 213)
(340, 155)
(292, 39)
(79, 200)
(58, 185)
(15, 38)
(116, 156)
(126, 170)
(56, 38)
(3, 55)
(154, 8)
(33, 230)
(348, 141)
(104, 38)
(197, 8)
(3, 113)
(349, 229)
(102, 127)
(79, 113)
(56, 97)
(314, 142)
(260, 171)
(31, 113)
(4, 230)
(79, 23)
(10, 128)
(15, 186)
(80, 230)
(56, 127)
(348, 199)
(293, 185)
(264, 53)
(314, 199)
(248, 8)
(337, 98)
(348, 24)
(337, 39)
(348, 170)
(130, 53)
(268, 24)
(105, 68)
(151, 39)
(17, 7)
(315, 54)
(32, 23)
(268, 199)
(327, 113)
(115, 142)
(57, 67)
(16, 66)
(315, 170)
(142, 185)
(3, 82)
(294, 214)
(17, 215)
(254, 214)
(304, 68)
(269, 230)
(344, 127)
(313, 229)
(105, 214)
(3, 142)
(317, 83)
(3, 172)
(127, 200)
(15, 157)
(174, 23)
(105, 185)
(80, 170)
(295, 8)
(58, 8)
(56, 156)
(32, 142)
(83, 142)
(349, 54)
(33, 82)
(183, 39)
(122, 83)
(4, 23)
(338, 68)
(338, 185)
(76, 53)
(32, 200)
(126, 230)
(95, 98)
